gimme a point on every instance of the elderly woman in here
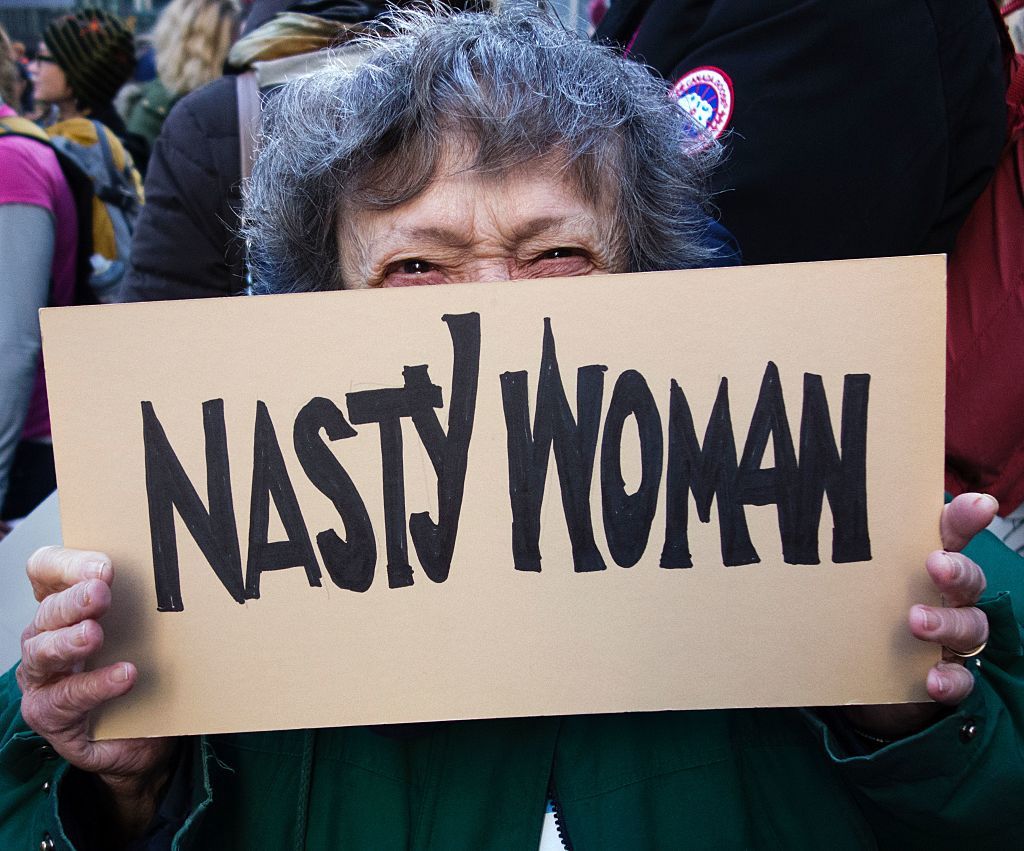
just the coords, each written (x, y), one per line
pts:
(470, 148)
(465, 156)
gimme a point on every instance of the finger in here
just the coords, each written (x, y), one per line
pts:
(52, 569)
(61, 706)
(959, 580)
(964, 517)
(57, 652)
(949, 683)
(961, 630)
(89, 599)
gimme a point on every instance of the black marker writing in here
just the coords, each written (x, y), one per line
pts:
(574, 445)
(168, 488)
(435, 543)
(350, 563)
(628, 517)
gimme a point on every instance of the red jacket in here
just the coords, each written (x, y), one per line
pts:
(985, 339)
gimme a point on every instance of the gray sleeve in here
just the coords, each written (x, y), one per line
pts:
(26, 246)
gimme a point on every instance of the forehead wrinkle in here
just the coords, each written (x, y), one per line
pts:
(356, 247)
(448, 237)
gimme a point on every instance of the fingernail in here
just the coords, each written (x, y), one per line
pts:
(84, 598)
(925, 618)
(79, 637)
(940, 682)
(953, 564)
(988, 501)
(120, 674)
(96, 569)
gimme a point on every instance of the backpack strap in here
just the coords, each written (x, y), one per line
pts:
(15, 125)
(108, 155)
(109, 191)
(249, 109)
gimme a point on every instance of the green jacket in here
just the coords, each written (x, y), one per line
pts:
(148, 113)
(718, 780)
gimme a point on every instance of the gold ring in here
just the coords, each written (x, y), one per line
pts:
(969, 654)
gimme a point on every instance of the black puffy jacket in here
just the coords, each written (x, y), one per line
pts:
(186, 243)
(854, 129)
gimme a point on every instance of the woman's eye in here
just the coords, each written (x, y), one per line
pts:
(560, 253)
(415, 267)
(413, 272)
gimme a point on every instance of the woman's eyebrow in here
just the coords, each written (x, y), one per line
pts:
(531, 228)
(456, 238)
(449, 237)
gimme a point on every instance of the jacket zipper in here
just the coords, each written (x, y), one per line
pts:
(556, 810)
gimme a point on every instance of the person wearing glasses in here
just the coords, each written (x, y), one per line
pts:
(82, 61)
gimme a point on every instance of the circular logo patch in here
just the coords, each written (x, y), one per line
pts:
(705, 93)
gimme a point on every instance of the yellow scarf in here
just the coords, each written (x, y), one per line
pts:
(289, 34)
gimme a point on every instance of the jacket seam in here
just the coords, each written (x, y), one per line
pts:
(660, 771)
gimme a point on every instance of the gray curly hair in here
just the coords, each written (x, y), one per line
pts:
(519, 86)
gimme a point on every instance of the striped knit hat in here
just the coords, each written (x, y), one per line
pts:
(96, 52)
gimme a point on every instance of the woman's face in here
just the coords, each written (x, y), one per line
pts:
(51, 86)
(467, 226)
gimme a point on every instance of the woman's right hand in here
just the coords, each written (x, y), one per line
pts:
(73, 590)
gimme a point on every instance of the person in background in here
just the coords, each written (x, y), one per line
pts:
(84, 58)
(15, 82)
(187, 244)
(861, 129)
(191, 43)
(10, 91)
(131, 92)
(38, 245)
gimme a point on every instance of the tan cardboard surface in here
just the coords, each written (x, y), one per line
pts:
(492, 640)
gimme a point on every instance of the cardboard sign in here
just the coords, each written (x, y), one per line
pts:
(635, 492)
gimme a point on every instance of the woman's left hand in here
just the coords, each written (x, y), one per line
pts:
(958, 626)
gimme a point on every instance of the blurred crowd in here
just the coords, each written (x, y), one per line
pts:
(79, 113)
